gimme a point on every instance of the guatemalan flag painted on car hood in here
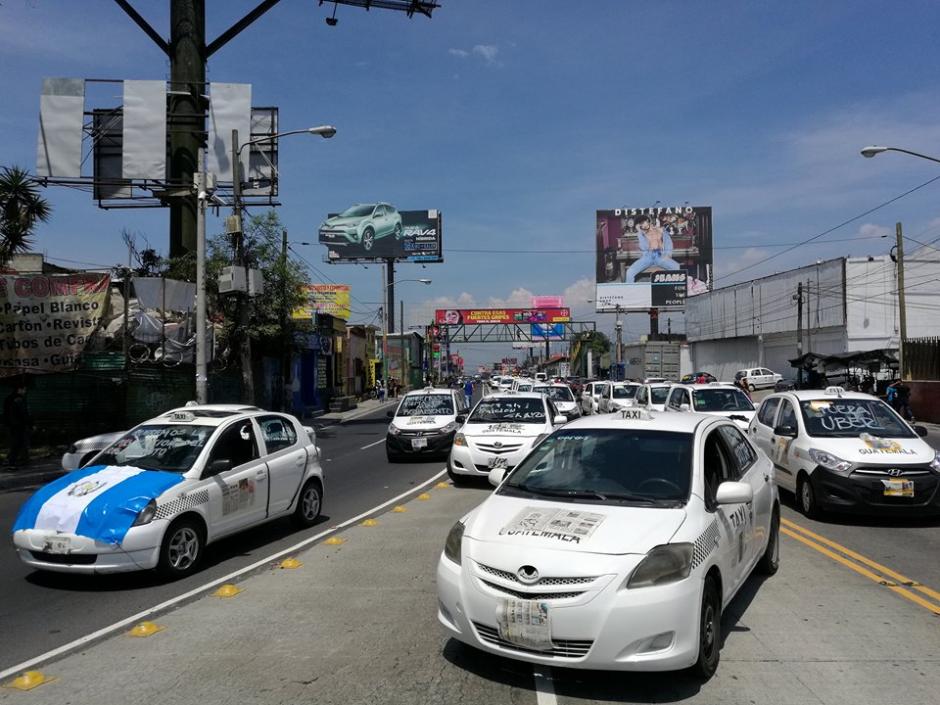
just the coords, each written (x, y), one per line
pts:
(100, 502)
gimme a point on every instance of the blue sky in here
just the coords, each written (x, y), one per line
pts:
(519, 119)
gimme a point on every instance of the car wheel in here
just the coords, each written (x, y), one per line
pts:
(458, 480)
(309, 503)
(770, 561)
(182, 548)
(368, 239)
(806, 498)
(751, 388)
(709, 638)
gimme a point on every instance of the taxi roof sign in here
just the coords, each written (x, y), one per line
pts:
(184, 416)
(636, 413)
(838, 391)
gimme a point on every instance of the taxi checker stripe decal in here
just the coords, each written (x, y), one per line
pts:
(26, 519)
(704, 544)
(182, 504)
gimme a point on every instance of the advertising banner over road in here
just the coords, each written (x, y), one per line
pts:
(633, 244)
(331, 299)
(367, 232)
(548, 331)
(46, 320)
(458, 316)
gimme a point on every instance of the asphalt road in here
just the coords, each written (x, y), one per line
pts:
(41, 611)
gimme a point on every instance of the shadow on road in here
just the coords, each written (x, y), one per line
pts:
(789, 500)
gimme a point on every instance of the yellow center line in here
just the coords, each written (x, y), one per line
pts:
(898, 577)
(903, 592)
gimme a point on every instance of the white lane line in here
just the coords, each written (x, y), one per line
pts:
(544, 690)
(81, 641)
(381, 440)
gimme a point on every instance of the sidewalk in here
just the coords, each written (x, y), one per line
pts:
(31, 476)
(364, 408)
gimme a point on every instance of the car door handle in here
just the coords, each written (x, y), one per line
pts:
(261, 474)
(299, 462)
(766, 478)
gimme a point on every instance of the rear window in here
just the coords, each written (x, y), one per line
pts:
(628, 392)
(658, 395)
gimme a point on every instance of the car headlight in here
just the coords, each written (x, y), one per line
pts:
(460, 440)
(664, 564)
(935, 463)
(452, 544)
(146, 515)
(394, 430)
(830, 461)
(452, 426)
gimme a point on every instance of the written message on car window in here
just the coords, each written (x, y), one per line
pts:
(173, 448)
(851, 417)
(426, 405)
(508, 410)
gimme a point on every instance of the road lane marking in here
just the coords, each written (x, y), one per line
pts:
(105, 631)
(381, 440)
(898, 577)
(903, 592)
(544, 689)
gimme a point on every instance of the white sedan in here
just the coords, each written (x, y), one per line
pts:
(170, 486)
(581, 560)
(562, 397)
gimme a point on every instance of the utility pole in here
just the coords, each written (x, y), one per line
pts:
(202, 193)
(798, 297)
(285, 330)
(244, 301)
(401, 323)
(902, 312)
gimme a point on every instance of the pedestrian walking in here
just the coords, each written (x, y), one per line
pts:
(380, 390)
(468, 393)
(903, 400)
(16, 418)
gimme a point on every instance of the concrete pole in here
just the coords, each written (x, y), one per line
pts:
(202, 379)
(244, 312)
(902, 306)
(799, 330)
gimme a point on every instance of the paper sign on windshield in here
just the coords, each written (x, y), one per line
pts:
(570, 526)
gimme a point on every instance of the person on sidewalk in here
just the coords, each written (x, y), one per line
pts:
(468, 393)
(16, 417)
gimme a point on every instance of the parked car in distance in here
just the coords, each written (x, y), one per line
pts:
(758, 377)
(694, 377)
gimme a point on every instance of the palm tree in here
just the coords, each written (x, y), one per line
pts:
(21, 208)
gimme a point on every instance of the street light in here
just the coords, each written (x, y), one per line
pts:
(869, 152)
(618, 327)
(385, 330)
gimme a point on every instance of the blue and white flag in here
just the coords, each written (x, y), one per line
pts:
(100, 502)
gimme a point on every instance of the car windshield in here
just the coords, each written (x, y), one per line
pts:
(625, 392)
(846, 418)
(169, 447)
(721, 400)
(658, 395)
(556, 394)
(588, 465)
(357, 211)
(515, 410)
(426, 405)
(525, 387)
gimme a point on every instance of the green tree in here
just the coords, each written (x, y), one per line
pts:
(21, 208)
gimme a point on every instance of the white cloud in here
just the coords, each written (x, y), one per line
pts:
(460, 53)
(872, 230)
(487, 51)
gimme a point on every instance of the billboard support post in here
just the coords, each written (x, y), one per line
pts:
(202, 194)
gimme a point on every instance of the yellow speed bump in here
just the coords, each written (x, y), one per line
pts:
(335, 541)
(424, 496)
(400, 509)
(28, 680)
(145, 629)
(370, 522)
(228, 590)
(442, 485)
(290, 563)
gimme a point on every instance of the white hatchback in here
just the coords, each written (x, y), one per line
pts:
(712, 398)
(499, 432)
(581, 560)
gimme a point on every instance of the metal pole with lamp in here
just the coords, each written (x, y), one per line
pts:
(202, 194)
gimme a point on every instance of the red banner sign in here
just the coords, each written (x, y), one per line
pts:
(458, 316)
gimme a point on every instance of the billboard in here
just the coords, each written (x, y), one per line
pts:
(332, 299)
(458, 316)
(634, 244)
(548, 331)
(548, 302)
(366, 232)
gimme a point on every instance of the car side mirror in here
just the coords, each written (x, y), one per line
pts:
(787, 431)
(217, 467)
(685, 407)
(496, 476)
(734, 493)
(559, 420)
(461, 419)
(921, 431)
(390, 414)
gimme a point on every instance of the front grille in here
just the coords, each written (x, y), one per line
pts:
(506, 448)
(532, 595)
(487, 468)
(65, 558)
(561, 648)
(512, 577)
(883, 472)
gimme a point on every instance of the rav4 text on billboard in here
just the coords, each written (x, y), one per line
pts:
(458, 316)
(645, 256)
(378, 231)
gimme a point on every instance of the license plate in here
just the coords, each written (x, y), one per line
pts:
(898, 488)
(525, 623)
(56, 544)
(419, 443)
(497, 461)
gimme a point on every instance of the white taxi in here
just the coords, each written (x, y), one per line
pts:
(423, 424)
(713, 398)
(652, 396)
(617, 396)
(582, 560)
(847, 452)
(500, 431)
(168, 487)
(562, 397)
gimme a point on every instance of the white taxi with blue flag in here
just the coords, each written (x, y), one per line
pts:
(167, 488)
(614, 544)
